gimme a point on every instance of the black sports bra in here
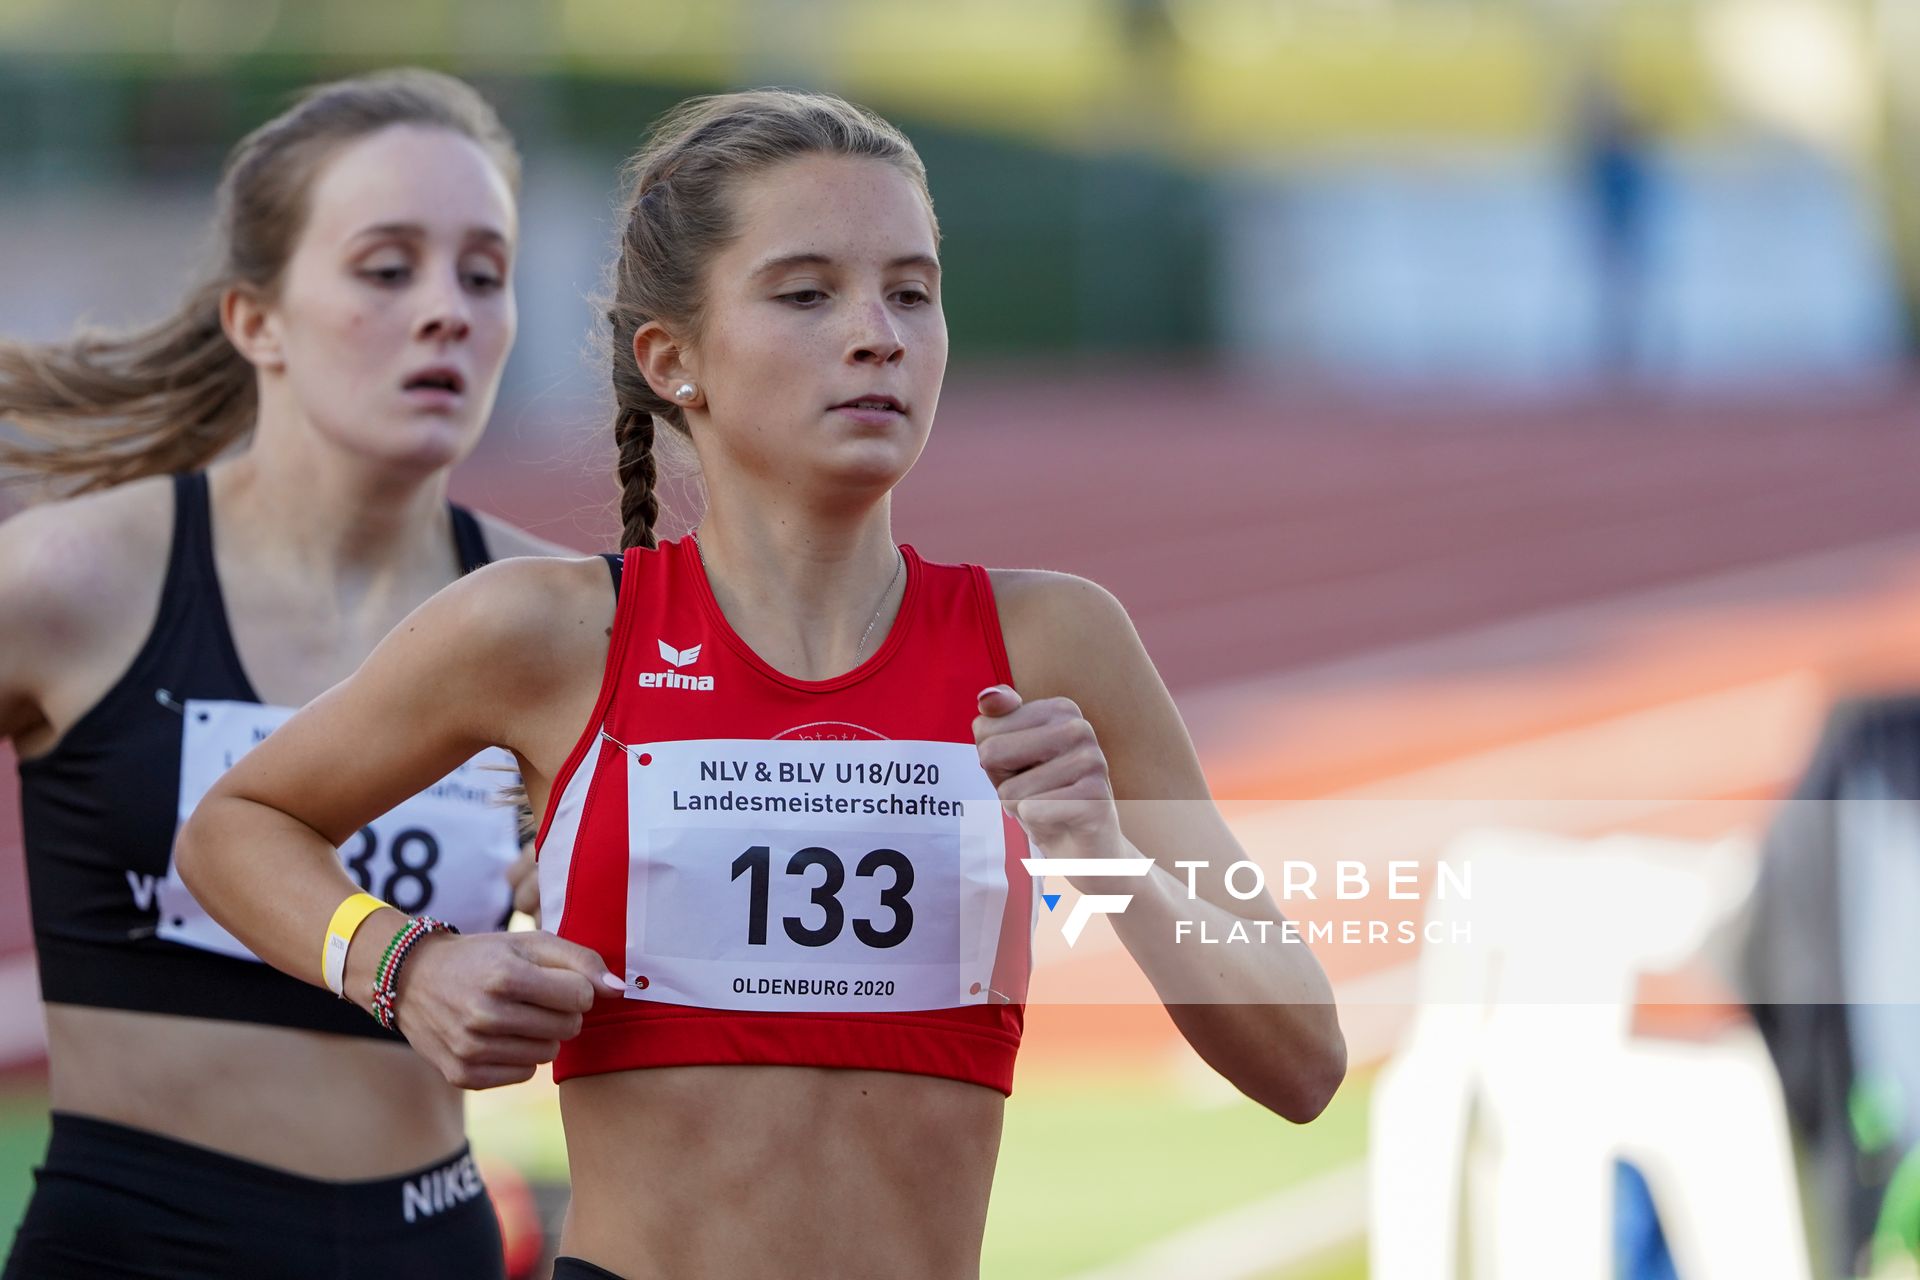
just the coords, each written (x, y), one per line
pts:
(114, 927)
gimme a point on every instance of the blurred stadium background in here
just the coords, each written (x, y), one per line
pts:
(1500, 401)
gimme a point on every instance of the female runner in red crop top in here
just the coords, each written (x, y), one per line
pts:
(736, 1110)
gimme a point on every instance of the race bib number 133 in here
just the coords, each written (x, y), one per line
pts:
(824, 876)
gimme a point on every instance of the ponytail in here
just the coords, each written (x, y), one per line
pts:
(105, 409)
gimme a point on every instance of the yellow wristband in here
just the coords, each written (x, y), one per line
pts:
(347, 919)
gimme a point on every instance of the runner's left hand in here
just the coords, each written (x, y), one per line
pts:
(1050, 772)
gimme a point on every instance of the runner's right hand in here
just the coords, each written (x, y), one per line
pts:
(487, 1009)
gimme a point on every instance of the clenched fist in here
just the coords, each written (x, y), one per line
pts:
(488, 1008)
(1050, 773)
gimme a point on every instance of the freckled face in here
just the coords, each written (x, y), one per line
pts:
(823, 345)
(396, 311)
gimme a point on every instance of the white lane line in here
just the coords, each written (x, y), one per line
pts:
(1523, 638)
(1674, 752)
(1252, 1240)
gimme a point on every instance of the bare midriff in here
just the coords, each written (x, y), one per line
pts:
(750, 1172)
(324, 1106)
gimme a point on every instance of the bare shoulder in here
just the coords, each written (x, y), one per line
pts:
(1068, 637)
(1049, 591)
(518, 647)
(80, 583)
(1065, 635)
(507, 541)
(80, 546)
(534, 609)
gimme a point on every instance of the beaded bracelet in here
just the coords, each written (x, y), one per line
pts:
(387, 977)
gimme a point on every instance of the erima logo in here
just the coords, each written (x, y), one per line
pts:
(676, 679)
(440, 1190)
(1087, 905)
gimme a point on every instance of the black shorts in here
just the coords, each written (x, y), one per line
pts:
(113, 1203)
(575, 1269)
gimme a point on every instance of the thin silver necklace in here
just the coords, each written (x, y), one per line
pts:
(860, 650)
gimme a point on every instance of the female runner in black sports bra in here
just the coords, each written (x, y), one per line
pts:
(213, 1117)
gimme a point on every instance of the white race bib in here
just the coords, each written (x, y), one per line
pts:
(812, 875)
(444, 852)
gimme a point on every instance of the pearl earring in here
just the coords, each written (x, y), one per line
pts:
(683, 392)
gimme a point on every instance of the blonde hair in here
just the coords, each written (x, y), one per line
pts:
(676, 214)
(102, 409)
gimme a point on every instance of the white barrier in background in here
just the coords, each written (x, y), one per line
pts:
(1506, 1110)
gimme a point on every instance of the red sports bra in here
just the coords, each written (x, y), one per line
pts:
(794, 872)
